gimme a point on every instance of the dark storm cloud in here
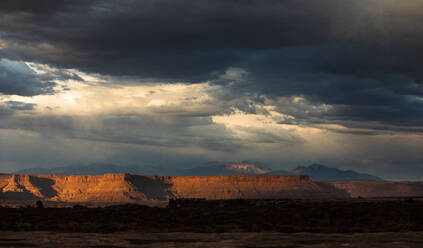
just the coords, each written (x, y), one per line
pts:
(16, 78)
(360, 56)
(358, 82)
(188, 40)
(184, 40)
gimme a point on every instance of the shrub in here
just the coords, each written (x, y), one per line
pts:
(39, 204)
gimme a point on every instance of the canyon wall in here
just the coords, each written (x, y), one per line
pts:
(258, 187)
(156, 190)
(369, 189)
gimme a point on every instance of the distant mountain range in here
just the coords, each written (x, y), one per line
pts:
(99, 169)
(218, 169)
(316, 172)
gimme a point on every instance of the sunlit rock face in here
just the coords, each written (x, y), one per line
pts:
(258, 187)
(16, 184)
(157, 190)
(153, 189)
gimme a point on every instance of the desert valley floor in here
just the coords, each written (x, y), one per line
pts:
(209, 240)
(283, 223)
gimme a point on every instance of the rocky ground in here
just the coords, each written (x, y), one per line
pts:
(222, 240)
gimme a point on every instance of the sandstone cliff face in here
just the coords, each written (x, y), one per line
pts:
(108, 188)
(21, 184)
(4, 180)
(259, 187)
(120, 188)
(68, 188)
(137, 188)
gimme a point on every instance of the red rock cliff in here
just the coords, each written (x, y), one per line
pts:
(114, 188)
(137, 188)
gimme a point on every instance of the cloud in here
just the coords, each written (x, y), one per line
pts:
(16, 78)
(181, 122)
(8, 108)
(137, 116)
(190, 40)
(247, 79)
(15, 105)
(350, 55)
(31, 79)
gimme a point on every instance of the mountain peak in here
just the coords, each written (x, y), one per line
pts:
(247, 168)
(242, 168)
(318, 166)
(313, 167)
(316, 172)
(319, 172)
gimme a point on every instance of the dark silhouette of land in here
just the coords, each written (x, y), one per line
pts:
(216, 216)
(211, 240)
(247, 223)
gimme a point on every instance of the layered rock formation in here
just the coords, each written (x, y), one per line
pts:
(258, 187)
(154, 190)
(369, 189)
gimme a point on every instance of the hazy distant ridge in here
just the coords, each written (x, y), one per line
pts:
(316, 172)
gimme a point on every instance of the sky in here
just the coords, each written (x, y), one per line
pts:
(180, 83)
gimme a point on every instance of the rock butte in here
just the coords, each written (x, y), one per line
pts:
(156, 190)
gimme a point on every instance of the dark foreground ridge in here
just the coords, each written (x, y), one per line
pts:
(217, 216)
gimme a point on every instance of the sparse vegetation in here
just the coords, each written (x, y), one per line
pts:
(289, 216)
(39, 204)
